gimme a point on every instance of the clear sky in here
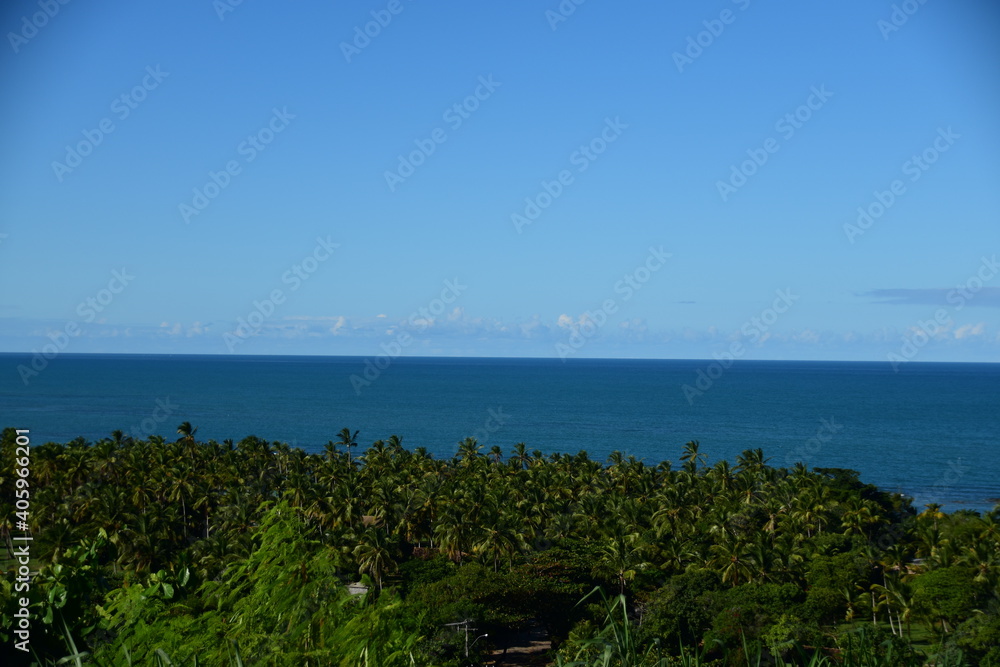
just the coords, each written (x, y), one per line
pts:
(649, 179)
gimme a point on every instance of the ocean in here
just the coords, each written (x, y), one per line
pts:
(930, 430)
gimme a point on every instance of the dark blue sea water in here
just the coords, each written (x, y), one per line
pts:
(932, 430)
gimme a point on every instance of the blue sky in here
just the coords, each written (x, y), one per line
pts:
(658, 180)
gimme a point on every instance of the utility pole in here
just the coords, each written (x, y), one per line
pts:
(465, 626)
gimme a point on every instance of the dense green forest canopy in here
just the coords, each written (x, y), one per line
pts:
(146, 550)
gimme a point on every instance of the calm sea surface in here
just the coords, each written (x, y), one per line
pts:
(931, 431)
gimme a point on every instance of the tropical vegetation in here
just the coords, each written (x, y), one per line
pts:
(149, 552)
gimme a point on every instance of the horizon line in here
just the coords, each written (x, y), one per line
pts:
(417, 356)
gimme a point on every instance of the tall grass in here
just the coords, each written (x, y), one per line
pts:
(615, 645)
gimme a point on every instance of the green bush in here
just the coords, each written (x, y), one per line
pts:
(948, 594)
(682, 610)
(416, 572)
(747, 612)
(842, 571)
(823, 606)
(978, 637)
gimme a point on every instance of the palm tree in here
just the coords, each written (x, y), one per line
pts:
(395, 444)
(861, 517)
(203, 499)
(734, 559)
(499, 539)
(496, 454)
(722, 474)
(934, 512)
(520, 457)
(751, 461)
(374, 555)
(348, 439)
(468, 451)
(187, 431)
(181, 488)
(623, 555)
(984, 557)
(692, 458)
(902, 593)
(451, 533)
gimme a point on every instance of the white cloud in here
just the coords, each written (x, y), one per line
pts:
(339, 323)
(967, 330)
(806, 336)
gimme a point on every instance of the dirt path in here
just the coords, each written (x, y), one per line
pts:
(528, 648)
